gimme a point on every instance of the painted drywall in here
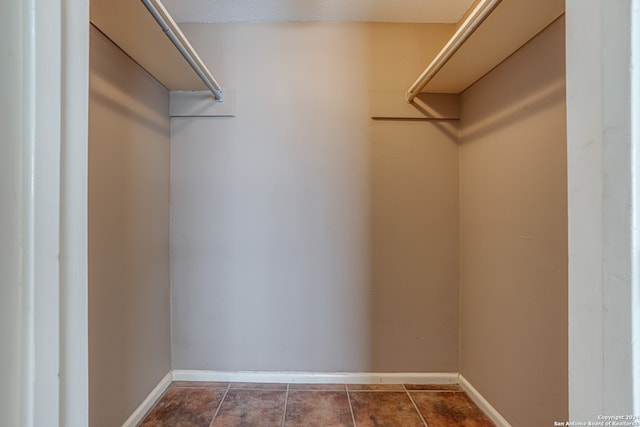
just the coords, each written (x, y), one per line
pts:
(11, 104)
(305, 236)
(129, 324)
(513, 225)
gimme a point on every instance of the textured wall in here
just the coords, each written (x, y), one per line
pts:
(305, 236)
(129, 315)
(513, 210)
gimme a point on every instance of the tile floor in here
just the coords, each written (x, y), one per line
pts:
(212, 404)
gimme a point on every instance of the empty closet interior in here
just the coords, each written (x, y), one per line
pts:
(328, 226)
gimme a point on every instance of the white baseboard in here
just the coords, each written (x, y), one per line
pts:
(482, 403)
(318, 377)
(149, 401)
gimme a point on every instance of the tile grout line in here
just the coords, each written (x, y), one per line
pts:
(224, 396)
(353, 418)
(286, 402)
(415, 406)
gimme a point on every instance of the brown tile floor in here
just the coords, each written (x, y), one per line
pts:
(214, 404)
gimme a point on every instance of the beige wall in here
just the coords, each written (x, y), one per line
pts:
(129, 344)
(414, 247)
(513, 270)
(305, 236)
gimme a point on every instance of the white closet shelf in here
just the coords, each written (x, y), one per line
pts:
(511, 25)
(129, 25)
(179, 40)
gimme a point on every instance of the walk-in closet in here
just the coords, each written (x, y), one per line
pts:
(343, 212)
(314, 223)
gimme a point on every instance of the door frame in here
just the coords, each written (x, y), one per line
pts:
(54, 323)
(55, 170)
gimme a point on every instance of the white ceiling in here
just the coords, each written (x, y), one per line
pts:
(428, 11)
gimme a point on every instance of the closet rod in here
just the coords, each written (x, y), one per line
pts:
(464, 31)
(171, 29)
